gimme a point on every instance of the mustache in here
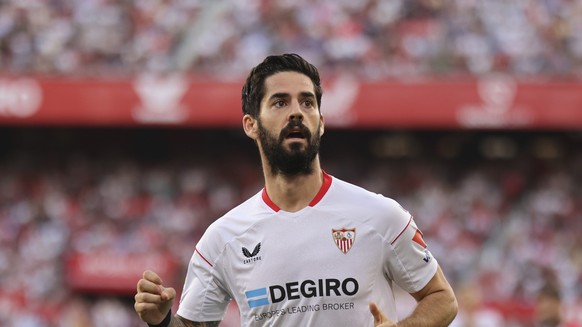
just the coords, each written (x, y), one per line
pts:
(294, 124)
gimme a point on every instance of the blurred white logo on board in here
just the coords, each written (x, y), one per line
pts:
(160, 98)
(19, 98)
(497, 92)
(497, 108)
(338, 99)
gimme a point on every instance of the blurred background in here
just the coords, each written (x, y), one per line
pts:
(121, 140)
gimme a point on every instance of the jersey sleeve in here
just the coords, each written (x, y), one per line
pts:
(409, 262)
(204, 297)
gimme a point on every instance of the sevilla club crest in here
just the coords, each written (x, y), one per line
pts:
(344, 238)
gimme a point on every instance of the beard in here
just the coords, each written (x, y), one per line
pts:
(294, 161)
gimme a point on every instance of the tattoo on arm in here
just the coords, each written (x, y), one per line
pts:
(206, 324)
(178, 321)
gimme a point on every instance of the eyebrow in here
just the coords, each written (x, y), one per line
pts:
(286, 95)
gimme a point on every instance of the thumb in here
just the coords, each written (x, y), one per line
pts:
(167, 293)
(379, 317)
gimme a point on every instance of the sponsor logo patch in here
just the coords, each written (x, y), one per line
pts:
(418, 239)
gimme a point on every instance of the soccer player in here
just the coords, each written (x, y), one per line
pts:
(309, 249)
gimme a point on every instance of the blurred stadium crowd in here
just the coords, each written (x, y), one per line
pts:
(504, 224)
(61, 196)
(370, 38)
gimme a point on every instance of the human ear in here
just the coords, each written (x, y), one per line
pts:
(250, 126)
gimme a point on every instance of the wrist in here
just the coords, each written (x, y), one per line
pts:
(165, 322)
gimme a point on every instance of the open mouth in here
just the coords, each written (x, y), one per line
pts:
(295, 133)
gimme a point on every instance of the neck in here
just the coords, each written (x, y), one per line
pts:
(293, 193)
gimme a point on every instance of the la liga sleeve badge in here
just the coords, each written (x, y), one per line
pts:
(344, 238)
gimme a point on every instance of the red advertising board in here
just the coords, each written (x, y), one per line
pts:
(114, 272)
(496, 101)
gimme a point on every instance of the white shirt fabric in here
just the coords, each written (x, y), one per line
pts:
(319, 266)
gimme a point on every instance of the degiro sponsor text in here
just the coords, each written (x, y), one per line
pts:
(298, 289)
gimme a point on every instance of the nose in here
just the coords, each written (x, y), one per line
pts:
(295, 112)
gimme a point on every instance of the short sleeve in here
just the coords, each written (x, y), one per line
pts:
(409, 262)
(204, 297)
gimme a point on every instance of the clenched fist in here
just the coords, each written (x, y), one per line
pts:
(153, 301)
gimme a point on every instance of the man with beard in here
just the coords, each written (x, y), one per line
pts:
(308, 249)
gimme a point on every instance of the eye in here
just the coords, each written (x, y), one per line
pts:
(308, 103)
(279, 104)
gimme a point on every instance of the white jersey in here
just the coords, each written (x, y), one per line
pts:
(319, 266)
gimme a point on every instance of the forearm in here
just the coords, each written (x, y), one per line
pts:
(177, 321)
(435, 310)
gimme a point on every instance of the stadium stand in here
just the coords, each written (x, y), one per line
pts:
(496, 218)
(372, 39)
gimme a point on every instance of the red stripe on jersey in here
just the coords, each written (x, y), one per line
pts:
(402, 232)
(324, 188)
(201, 256)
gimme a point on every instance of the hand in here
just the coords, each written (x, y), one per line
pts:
(380, 320)
(153, 301)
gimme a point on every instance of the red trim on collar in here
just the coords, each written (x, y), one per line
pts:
(269, 202)
(324, 188)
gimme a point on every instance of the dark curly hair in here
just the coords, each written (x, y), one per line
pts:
(254, 87)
